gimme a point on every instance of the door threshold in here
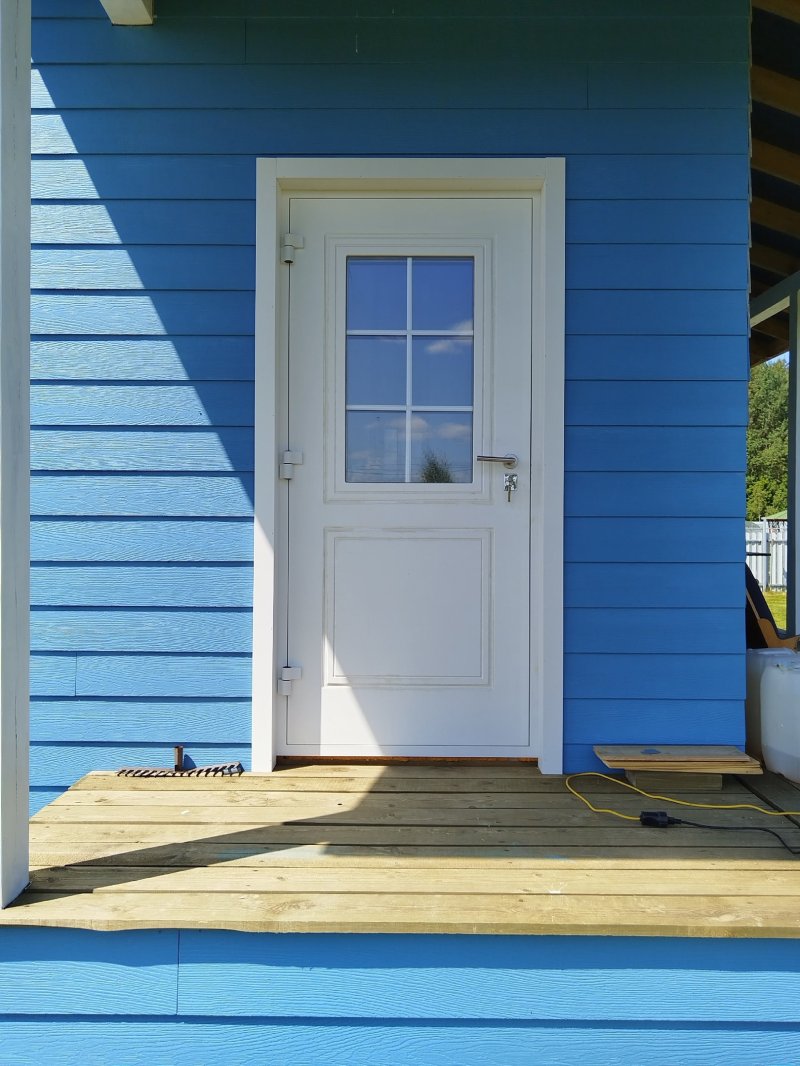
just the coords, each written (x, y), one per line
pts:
(286, 761)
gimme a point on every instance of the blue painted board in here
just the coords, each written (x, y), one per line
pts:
(165, 585)
(658, 176)
(189, 404)
(144, 359)
(143, 267)
(251, 1042)
(128, 721)
(678, 84)
(133, 495)
(678, 677)
(652, 358)
(668, 721)
(663, 403)
(210, 177)
(116, 629)
(79, 9)
(473, 40)
(646, 630)
(133, 222)
(185, 41)
(490, 977)
(132, 177)
(53, 675)
(286, 131)
(55, 765)
(163, 676)
(668, 495)
(502, 84)
(656, 266)
(223, 449)
(119, 541)
(39, 797)
(652, 540)
(682, 313)
(655, 448)
(67, 971)
(158, 313)
(662, 221)
(655, 585)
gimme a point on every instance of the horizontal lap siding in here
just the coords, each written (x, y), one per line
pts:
(145, 143)
(68, 996)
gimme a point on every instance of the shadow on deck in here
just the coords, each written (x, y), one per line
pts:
(405, 849)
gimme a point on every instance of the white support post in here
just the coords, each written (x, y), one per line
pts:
(15, 52)
(793, 512)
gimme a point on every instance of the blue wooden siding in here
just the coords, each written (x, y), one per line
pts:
(72, 997)
(145, 143)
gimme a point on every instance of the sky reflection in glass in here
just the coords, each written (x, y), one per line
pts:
(376, 294)
(442, 371)
(441, 446)
(376, 446)
(408, 350)
(442, 294)
(376, 370)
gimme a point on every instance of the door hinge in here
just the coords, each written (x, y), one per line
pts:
(289, 674)
(291, 242)
(289, 460)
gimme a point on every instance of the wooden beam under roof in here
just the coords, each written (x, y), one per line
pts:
(775, 161)
(785, 9)
(763, 348)
(774, 261)
(775, 90)
(776, 217)
(776, 327)
(130, 12)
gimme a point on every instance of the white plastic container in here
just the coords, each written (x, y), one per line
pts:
(758, 661)
(780, 716)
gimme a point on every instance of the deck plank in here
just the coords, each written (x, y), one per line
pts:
(406, 848)
(509, 880)
(295, 912)
(228, 800)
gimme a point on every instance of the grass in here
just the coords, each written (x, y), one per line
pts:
(777, 604)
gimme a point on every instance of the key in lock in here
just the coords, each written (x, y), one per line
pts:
(510, 484)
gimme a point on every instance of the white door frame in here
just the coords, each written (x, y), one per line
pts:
(543, 181)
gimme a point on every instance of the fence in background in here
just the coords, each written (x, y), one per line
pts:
(766, 546)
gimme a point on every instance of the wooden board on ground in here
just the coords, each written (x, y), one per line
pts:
(678, 758)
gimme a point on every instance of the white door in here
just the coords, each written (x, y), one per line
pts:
(408, 587)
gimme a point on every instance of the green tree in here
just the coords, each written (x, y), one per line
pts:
(767, 439)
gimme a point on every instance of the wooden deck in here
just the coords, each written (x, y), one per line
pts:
(405, 849)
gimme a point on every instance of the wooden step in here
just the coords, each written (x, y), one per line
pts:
(678, 758)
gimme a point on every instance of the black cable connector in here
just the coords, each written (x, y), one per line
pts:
(657, 819)
(662, 820)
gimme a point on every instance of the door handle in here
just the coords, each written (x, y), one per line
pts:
(509, 461)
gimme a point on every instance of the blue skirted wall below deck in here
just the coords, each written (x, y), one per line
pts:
(145, 141)
(133, 999)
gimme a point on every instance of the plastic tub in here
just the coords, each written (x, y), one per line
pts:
(780, 716)
(758, 661)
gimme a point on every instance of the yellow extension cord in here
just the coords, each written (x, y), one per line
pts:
(666, 799)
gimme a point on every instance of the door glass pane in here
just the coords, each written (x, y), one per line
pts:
(443, 294)
(376, 446)
(376, 294)
(441, 447)
(376, 370)
(442, 371)
(409, 374)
